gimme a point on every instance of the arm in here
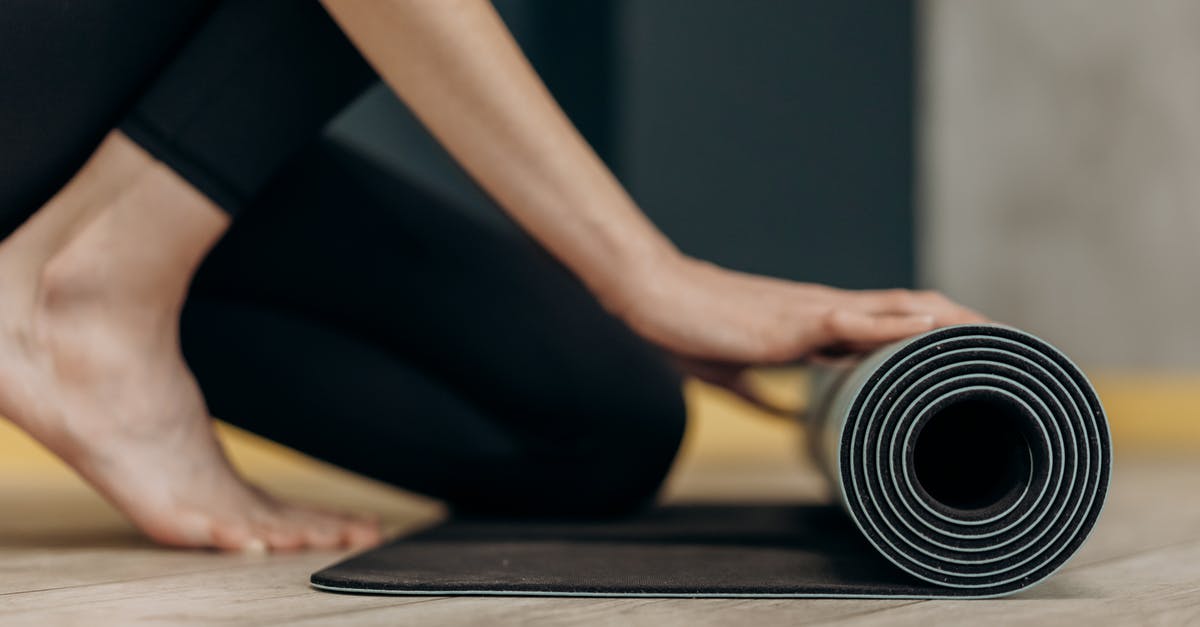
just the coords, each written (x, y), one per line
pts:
(459, 70)
(456, 65)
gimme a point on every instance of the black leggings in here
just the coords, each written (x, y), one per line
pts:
(346, 313)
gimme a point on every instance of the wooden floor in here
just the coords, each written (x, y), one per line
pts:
(67, 558)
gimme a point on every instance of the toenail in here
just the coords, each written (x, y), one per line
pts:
(255, 545)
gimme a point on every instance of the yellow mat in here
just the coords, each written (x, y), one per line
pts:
(1148, 413)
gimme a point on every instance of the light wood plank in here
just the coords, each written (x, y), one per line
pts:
(246, 591)
(500, 612)
(1160, 587)
(1151, 504)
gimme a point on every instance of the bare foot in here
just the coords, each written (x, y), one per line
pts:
(90, 366)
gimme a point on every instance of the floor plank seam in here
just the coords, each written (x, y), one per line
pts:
(130, 580)
(856, 615)
(398, 602)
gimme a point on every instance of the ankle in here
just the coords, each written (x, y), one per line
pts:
(140, 251)
(116, 165)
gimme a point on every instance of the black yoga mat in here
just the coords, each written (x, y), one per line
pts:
(970, 461)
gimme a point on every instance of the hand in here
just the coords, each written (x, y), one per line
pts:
(719, 321)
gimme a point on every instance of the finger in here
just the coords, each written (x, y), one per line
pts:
(744, 389)
(854, 327)
(901, 301)
(733, 378)
(846, 350)
(839, 352)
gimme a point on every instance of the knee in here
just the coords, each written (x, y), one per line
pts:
(610, 462)
(627, 473)
(617, 466)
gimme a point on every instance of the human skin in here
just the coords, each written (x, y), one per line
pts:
(92, 285)
(459, 70)
(91, 289)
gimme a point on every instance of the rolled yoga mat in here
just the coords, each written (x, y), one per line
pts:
(971, 461)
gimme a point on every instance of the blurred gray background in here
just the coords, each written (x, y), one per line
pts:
(1061, 171)
(1039, 160)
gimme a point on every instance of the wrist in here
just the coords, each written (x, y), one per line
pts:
(637, 270)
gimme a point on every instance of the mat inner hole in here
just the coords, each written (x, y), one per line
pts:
(972, 454)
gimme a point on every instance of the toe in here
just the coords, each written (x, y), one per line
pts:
(281, 533)
(361, 534)
(335, 529)
(235, 537)
(321, 531)
(322, 537)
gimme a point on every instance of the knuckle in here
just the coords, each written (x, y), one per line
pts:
(830, 320)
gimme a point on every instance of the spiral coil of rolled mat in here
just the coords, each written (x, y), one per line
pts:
(974, 457)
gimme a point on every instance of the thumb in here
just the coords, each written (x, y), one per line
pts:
(736, 380)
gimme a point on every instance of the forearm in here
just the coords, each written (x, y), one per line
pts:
(457, 67)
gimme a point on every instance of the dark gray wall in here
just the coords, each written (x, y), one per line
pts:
(774, 136)
(768, 136)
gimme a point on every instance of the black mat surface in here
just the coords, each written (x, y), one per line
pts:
(970, 461)
(689, 551)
